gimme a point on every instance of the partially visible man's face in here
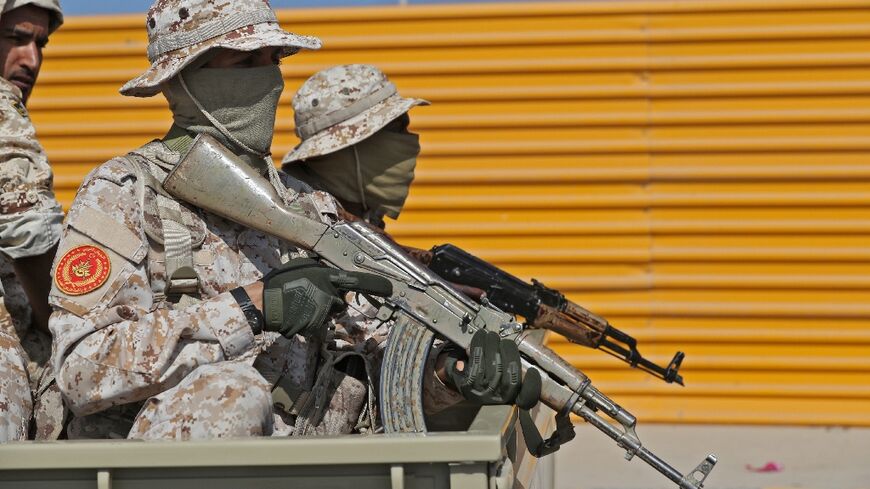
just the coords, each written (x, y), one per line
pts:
(23, 34)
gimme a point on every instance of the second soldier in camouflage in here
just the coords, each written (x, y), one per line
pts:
(30, 224)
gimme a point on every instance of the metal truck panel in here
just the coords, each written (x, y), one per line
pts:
(491, 454)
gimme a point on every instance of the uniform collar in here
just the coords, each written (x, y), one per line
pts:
(178, 139)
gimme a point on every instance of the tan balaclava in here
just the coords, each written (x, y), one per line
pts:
(371, 178)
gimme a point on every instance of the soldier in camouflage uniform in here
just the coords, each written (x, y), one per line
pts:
(158, 324)
(356, 145)
(30, 224)
(355, 141)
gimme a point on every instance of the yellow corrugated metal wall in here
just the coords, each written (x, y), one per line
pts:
(697, 171)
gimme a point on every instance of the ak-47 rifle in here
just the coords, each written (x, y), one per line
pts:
(542, 307)
(208, 169)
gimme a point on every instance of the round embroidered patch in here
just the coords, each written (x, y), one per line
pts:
(82, 270)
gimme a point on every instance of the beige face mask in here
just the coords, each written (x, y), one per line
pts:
(373, 176)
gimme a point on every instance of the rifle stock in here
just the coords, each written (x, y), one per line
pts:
(213, 179)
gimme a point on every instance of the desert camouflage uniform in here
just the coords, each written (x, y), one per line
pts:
(192, 370)
(130, 361)
(30, 216)
(335, 109)
(16, 403)
(30, 223)
(15, 324)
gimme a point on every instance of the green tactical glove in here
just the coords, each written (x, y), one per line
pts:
(493, 373)
(301, 295)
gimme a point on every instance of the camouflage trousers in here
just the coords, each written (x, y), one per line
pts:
(16, 401)
(15, 322)
(221, 400)
(232, 400)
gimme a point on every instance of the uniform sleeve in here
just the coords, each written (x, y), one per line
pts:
(112, 344)
(30, 216)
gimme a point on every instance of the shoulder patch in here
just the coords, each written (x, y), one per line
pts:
(82, 270)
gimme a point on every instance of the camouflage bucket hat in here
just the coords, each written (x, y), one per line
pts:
(53, 7)
(343, 105)
(180, 31)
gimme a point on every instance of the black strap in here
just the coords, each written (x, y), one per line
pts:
(253, 315)
(537, 445)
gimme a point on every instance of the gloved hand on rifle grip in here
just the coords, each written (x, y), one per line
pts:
(492, 373)
(301, 295)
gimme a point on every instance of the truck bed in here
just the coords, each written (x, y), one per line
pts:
(490, 454)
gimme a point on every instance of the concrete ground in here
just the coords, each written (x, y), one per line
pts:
(808, 458)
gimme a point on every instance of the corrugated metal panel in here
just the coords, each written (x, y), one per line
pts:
(699, 172)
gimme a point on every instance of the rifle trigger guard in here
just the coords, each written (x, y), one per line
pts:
(536, 444)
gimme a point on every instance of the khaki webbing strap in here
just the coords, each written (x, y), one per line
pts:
(312, 127)
(182, 280)
(149, 175)
(180, 273)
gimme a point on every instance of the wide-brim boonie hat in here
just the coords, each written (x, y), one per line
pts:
(180, 31)
(341, 106)
(353, 130)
